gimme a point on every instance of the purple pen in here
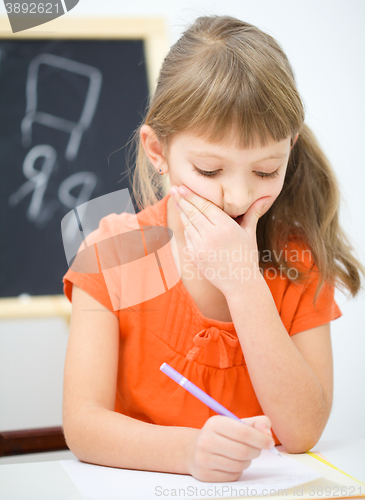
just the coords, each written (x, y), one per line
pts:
(201, 395)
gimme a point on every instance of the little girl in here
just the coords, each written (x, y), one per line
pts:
(253, 209)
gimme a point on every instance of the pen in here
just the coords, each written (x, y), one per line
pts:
(201, 395)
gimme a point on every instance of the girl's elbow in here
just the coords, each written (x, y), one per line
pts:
(302, 441)
(75, 443)
(69, 435)
(306, 435)
(300, 446)
(73, 434)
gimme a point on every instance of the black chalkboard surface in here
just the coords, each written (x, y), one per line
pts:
(68, 107)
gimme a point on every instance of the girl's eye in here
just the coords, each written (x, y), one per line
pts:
(206, 174)
(260, 174)
(271, 175)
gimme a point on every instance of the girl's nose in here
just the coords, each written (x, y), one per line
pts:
(237, 200)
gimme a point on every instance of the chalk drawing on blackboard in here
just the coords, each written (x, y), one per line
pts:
(34, 259)
(76, 129)
(88, 181)
(37, 182)
(38, 179)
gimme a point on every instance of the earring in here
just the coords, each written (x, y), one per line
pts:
(160, 171)
(295, 140)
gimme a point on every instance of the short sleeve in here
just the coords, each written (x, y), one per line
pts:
(295, 301)
(92, 283)
(309, 315)
(98, 273)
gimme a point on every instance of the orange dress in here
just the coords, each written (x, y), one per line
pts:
(167, 326)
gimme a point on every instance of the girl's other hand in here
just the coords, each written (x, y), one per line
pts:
(224, 447)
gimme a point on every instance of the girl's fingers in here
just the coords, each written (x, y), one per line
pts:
(226, 447)
(261, 423)
(234, 450)
(217, 476)
(251, 217)
(188, 214)
(197, 209)
(189, 200)
(227, 465)
(247, 434)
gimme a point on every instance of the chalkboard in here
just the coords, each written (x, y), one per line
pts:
(68, 106)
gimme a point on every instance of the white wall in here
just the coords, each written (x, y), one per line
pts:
(325, 42)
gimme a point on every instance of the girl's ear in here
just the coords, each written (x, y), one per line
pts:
(152, 147)
(295, 140)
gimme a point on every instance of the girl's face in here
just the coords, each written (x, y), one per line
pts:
(230, 177)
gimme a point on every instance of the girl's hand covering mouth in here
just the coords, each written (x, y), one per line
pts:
(214, 239)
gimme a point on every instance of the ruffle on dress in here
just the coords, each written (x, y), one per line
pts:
(217, 348)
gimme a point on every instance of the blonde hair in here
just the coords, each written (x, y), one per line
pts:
(225, 73)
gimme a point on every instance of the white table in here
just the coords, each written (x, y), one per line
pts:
(47, 480)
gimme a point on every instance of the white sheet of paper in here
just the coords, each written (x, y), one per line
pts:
(267, 472)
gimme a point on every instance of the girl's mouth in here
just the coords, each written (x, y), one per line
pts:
(238, 219)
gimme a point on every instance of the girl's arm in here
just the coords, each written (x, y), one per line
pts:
(93, 430)
(97, 434)
(292, 376)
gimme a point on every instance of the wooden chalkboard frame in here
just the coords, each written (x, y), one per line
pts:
(153, 33)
